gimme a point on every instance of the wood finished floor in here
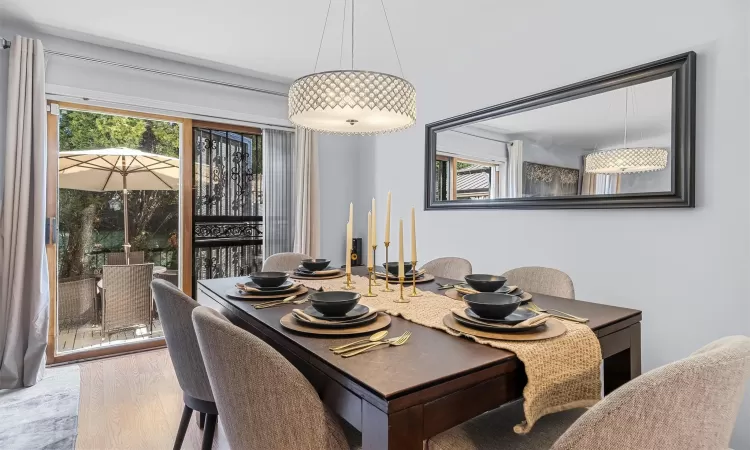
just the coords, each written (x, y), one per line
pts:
(134, 402)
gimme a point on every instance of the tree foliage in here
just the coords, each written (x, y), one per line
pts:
(83, 213)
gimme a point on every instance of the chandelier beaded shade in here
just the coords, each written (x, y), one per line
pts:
(352, 102)
(627, 160)
(349, 101)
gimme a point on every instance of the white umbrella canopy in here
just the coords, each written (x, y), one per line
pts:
(118, 169)
(115, 169)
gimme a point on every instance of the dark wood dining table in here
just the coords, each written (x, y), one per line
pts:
(403, 395)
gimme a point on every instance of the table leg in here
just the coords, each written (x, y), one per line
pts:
(625, 365)
(397, 431)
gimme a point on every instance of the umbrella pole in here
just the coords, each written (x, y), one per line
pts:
(126, 246)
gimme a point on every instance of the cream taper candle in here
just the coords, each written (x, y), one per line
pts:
(349, 248)
(388, 218)
(401, 248)
(369, 240)
(413, 237)
(374, 225)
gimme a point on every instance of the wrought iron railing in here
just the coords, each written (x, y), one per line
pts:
(166, 257)
(227, 204)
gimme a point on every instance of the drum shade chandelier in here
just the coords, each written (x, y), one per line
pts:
(349, 101)
(627, 159)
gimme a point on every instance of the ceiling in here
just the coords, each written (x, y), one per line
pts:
(597, 121)
(279, 37)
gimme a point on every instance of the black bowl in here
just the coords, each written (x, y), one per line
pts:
(492, 305)
(334, 303)
(485, 283)
(315, 264)
(392, 267)
(269, 279)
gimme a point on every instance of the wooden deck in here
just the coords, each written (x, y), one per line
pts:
(89, 336)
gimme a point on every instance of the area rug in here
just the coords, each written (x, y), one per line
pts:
(44, 416)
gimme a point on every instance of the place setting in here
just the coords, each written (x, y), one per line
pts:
(335, 313)
(316, 269)
(477, 283)
(391, 270)
(267, 286)
(494, 315)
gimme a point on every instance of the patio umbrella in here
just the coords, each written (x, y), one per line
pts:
(118, 169)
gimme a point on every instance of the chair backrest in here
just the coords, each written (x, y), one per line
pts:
(542, 280)
(450, 267)
(118, 258)
(264, 402)
(175, 312)
(126, 296)
(283, 262)
(171, 276)
(691, 403)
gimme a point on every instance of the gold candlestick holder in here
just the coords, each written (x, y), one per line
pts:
(348, 286)
(414, 292)
(401, 298)
(387, 286)
(369, 286)
(374, 264)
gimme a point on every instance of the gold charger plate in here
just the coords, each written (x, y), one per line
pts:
(290, 323)
(454, 294)
(234, 293)
(328, 277)
(553, 328)
(394, 280)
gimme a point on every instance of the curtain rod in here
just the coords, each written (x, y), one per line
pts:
(6, 44)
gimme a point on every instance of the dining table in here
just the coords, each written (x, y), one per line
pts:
(402, 396)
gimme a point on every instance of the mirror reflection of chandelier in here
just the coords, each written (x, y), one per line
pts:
(349, 101)
(626, 159)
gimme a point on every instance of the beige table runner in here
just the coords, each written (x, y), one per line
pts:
(562, 372)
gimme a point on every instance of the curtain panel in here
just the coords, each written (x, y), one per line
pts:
(278, 191)
(514, 176)
(24, 280)
(306, 211)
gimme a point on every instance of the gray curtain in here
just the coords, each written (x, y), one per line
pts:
(307, 205)
(514, 166)
(278, 191)
(24, 281)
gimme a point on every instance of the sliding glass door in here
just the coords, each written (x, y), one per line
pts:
(116, 189)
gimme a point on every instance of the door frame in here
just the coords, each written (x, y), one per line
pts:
(185, 222)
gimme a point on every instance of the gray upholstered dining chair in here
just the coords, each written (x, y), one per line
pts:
(450, 267)
(118, 258)
(279, 409)
(175, 311)
(542, 280)
(283, 262)
(691, 403)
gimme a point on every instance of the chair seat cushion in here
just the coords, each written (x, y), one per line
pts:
(494, 430)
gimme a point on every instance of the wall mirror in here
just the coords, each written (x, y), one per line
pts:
(624, 140)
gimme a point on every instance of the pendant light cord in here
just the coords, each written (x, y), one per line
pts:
(343, 25)
(320, 46)
(352, 34)
(625, 139)
(393, 41)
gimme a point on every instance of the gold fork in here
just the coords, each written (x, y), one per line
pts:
(554, 312)
(401, 340)
(281, 302)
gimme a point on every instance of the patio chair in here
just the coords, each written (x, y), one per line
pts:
(118, 258)
(76, 301)
(126, 297)
(168, 275)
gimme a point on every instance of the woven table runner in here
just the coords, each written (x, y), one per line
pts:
(562, 372)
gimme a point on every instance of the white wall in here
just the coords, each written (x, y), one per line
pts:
(668, 253)
(470, 146)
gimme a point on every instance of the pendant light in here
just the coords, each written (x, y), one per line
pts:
(627, 159)
(352, 101)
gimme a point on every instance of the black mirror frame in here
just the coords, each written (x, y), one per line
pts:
(680, 68)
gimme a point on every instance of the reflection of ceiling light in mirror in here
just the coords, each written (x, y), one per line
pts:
(627, 160)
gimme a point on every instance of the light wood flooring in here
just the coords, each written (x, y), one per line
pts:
(89, 336)
(134, 402)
